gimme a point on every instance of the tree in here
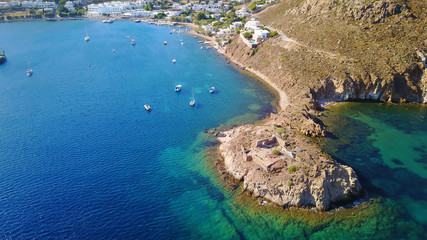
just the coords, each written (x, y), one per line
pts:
(149, 7)
(160, 15)
(253, 6)
(200, 16)
(273, 33)
(247, 35)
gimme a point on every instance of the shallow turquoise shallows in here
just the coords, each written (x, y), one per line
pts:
(81, 158)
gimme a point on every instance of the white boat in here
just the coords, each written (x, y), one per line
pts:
(108, 20)
(178, 88)
(174, 60)
(114, 50)
(133, 42)
(87, 38)
(29, 70)
(201, 48)
(212, 89)
(137, 20)
(181, 40)
(193, 102)
(182, 44)
(147, 107)
(165, 43)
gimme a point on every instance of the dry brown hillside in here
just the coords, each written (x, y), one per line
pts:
(354, 49)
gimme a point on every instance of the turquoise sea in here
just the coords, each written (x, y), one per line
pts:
(80, 158)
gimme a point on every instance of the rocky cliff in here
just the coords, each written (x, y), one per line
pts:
(326, 50)
(354, 49)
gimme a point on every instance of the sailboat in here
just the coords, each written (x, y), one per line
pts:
(29, 70)
(87, 38)
(193, 102)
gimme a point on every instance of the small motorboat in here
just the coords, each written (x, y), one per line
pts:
(212, 89)
(133, 42)
(201, 48)
(193, 102)
(174, 60)
(114, 50)
(165, 43)
(182, 44)
(147, 107)
(178, 88)
(29, 72)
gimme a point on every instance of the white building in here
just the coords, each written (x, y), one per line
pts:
(241, 13)
(252, 25)
(223, 32)
(261, 34)
(207, 28)
(4, 4)
(70, 6)
(236, 25)
(174, 12)
(111, 8)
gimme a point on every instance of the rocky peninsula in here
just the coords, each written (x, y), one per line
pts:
(365, 56)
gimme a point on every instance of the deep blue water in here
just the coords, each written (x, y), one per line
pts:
(79, 155)
(80, 158)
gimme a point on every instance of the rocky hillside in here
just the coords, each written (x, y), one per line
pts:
(325, 50)
(353, 49)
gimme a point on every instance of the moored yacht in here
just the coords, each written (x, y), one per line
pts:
(2, 57)
(108, 20)
(147, 107)
(133, 42)
(178, 88)
(212, 89)
(29, 72)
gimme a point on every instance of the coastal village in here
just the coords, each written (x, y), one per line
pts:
(369, 52)
(217, 20)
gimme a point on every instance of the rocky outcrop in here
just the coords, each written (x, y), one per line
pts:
(300, 175)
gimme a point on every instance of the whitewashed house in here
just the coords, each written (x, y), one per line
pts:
(70, 6)
(207, 28)
(236, 25)
(252, 25)
(261, 34)
(243, 12)
(174, 12)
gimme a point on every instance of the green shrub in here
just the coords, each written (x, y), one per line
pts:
(292, 169)
(247, 35)
(289, 183)
(273, 33)
(276, 152)
(279, 131)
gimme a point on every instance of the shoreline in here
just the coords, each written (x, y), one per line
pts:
(282, 97)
